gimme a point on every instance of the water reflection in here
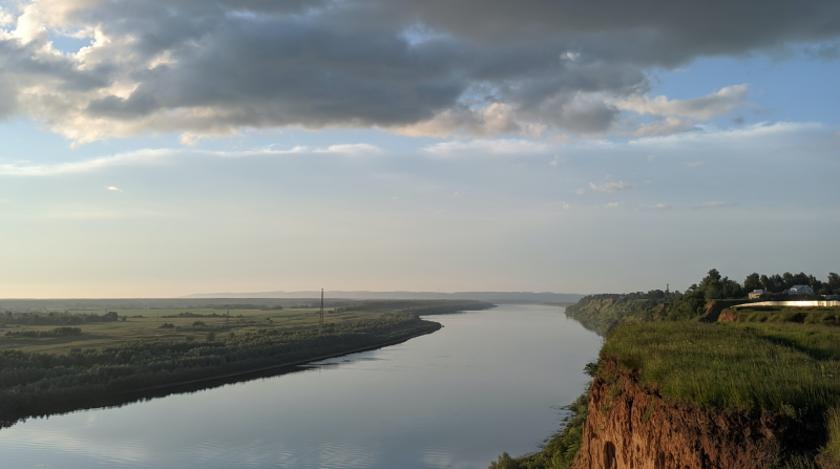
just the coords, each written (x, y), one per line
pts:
(489, 381)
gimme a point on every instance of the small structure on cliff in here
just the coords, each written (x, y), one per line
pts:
(756, 294)
(800, 290)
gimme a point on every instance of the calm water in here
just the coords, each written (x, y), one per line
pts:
(488, 382)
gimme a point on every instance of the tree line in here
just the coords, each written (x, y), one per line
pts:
(56, 318)
(602, 312)
(715, 286)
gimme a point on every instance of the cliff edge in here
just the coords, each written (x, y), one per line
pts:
(630, 426)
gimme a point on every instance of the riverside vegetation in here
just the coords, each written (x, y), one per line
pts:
(773, 361)
(115, 352)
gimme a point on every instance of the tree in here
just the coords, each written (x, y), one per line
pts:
(834, 282)
(788, 280)
(774, 283)
(731, 289)
(711, 285)
(504, 462)
(753, 282)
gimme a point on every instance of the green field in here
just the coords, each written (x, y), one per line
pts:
(783, 367)
(787, 369)
(148, 321)
(187, 325)
(105, 353)
(822, 316)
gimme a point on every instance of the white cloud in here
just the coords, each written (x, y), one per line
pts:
(341, 149)
(350, 149)
(612, 205)
(759, 132)
(663, 206)
(480, 147)
(714, 204)
(134, 158)
(6, 18)
(162, 155)
(113, 189)
(609, 186)
(570, 55)
(667, 126)
(675, 116)
(722, 101)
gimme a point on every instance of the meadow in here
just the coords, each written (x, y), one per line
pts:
(790, 370)
(825, 316)
(784, 367)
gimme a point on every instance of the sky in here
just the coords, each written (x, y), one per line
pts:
(155, 148)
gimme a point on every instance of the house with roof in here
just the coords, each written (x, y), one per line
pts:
(756, 294)
(800, 290)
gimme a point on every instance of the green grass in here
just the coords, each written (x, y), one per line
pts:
(830, 454)
(822, 316)
(142, 323)
(145, 325)
(784, 367)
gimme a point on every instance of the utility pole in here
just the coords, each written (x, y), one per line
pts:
(322, 310)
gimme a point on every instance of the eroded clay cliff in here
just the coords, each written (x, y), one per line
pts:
(630, 426)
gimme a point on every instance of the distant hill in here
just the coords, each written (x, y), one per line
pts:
(493, 297)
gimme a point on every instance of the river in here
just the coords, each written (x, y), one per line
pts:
(489, 381)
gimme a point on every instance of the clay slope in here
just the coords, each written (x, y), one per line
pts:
(629, 426)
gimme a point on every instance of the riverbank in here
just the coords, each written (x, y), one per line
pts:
(274, 370)
(697, 394)
(42, 373)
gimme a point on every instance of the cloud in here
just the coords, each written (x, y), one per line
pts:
(609, 186)
(474, 67)
(136, 158)
(714, 204)
(350, 149)
(6, 18)
(682, 115)
(113, 189)
(164, 155)
(722, 101)
(666, 126)
(759, 132)
(612, 205)
(482, 147)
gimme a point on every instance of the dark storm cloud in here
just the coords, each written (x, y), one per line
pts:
(654, 31)
(229, 63)
(284, 72)
(28, 66)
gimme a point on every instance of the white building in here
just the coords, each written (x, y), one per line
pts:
(756, 294)
(797, 290)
